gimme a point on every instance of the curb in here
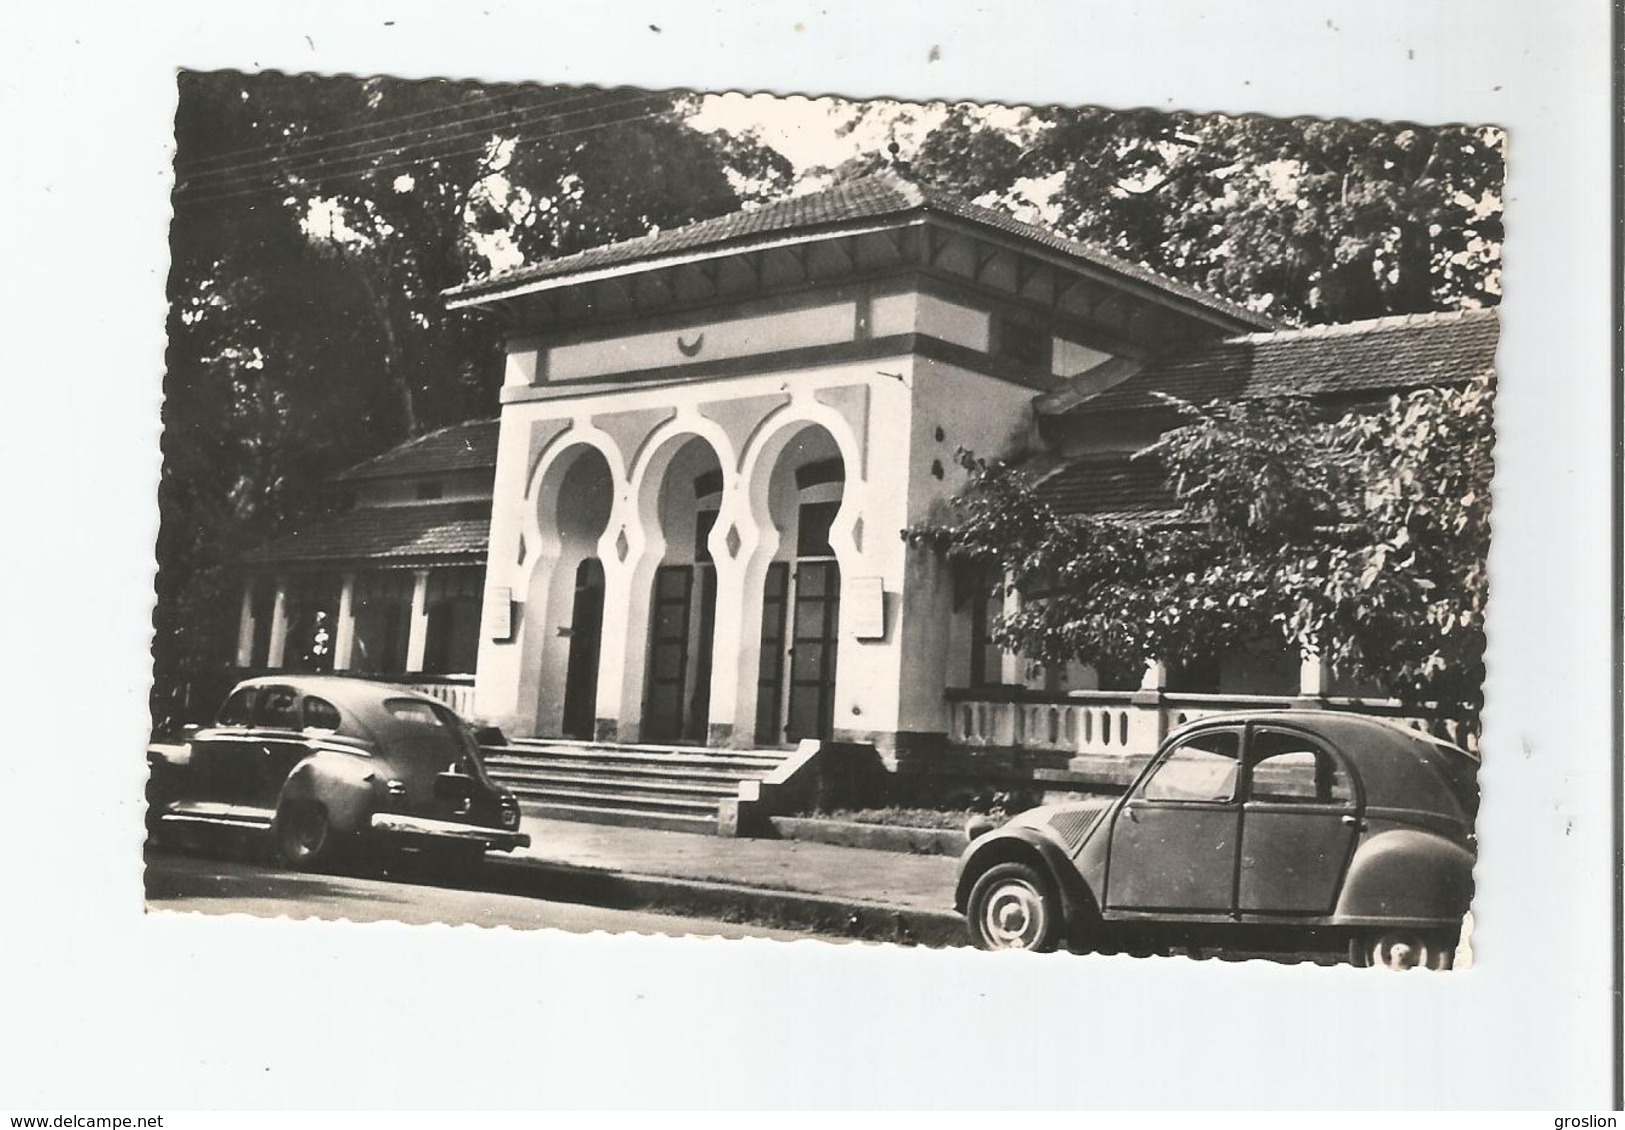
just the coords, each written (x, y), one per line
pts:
(855, 919)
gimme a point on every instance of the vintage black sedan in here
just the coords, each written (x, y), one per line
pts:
(326, 763)
(1306, 831)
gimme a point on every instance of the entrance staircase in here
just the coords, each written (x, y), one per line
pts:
(678, 788)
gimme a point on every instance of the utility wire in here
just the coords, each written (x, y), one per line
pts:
(409, 163)
(301, 146)
(283, 142)
(313, 161)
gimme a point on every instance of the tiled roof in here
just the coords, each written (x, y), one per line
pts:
(461, 447)
(383, 533)
(880, 196)
(1378, 356)
(1109, 485)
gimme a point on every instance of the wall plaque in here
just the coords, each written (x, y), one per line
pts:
(866, 599)
(499, 613)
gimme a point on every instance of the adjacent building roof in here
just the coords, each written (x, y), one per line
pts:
(878, 197)
(384, 534)
(1378, 356)
(1110, 485)
(462, 447)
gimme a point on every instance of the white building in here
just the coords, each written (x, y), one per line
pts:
(711, 439)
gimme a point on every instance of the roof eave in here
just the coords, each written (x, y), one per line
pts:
(475, 294)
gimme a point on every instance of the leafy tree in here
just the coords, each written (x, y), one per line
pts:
(1310, 220)
(1362, 537)
(317, 221)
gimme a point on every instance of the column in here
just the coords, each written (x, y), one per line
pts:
(1314, 676)
(622, 642)
(1147, 720)
(245, 626)
(344, 630)
(417, 632)
(275, 653)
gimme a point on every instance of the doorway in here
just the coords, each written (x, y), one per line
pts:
(586, 632)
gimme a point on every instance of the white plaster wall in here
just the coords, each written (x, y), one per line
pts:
(1070, 358)
(892, 314)
(733, 337)
(988, 417)
(953, 322)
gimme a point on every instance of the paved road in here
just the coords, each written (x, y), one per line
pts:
(230, 886)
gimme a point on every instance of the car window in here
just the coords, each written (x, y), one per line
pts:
(278, 708)
(320, 714)
(1201, 768)
(411, 710)
(1289, 768)
(239, 708)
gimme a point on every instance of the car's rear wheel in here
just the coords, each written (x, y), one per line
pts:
(1012, 907)
(304, 837)
(1402, 949)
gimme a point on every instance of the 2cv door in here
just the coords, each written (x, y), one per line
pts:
(1175, 840)
(1298, 825)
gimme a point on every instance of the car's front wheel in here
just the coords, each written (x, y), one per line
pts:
(304, 837)
(1012, 907)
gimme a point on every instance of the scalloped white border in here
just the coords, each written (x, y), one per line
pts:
(107, 1006)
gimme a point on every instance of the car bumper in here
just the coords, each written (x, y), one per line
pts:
(397, 824)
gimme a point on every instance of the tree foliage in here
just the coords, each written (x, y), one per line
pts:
(317, 221)
(1310, 220)
(1362, 538)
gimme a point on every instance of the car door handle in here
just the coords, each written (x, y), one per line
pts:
(1350, 819)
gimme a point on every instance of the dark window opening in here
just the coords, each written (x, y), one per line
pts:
(708, 483)
(813, 523)
(822, 471)
(431, 489)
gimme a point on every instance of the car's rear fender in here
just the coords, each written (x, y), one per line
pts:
(1032, 847)
(1407, 874)
(345, 785)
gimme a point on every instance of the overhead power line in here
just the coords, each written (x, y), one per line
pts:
(414, 161)
(329, 159)
(305, 144)
(283, 142)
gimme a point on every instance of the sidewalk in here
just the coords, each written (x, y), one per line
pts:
(838, 891)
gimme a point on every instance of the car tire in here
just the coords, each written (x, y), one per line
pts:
(304, 837)
(1013, 906)
(1400, 950)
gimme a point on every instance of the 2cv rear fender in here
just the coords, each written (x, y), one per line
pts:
(1407, 875)
(344, 784)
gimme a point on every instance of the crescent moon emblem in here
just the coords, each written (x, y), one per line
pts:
(687, 349)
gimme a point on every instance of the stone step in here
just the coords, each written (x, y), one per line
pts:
(622, 817)
(618, 798)
(739, 766)
(699, 774)
(571, 745)
(718, 787)
(653, 786)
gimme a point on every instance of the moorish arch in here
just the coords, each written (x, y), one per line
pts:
(567, 520)
(662, 587)
(792, 530)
